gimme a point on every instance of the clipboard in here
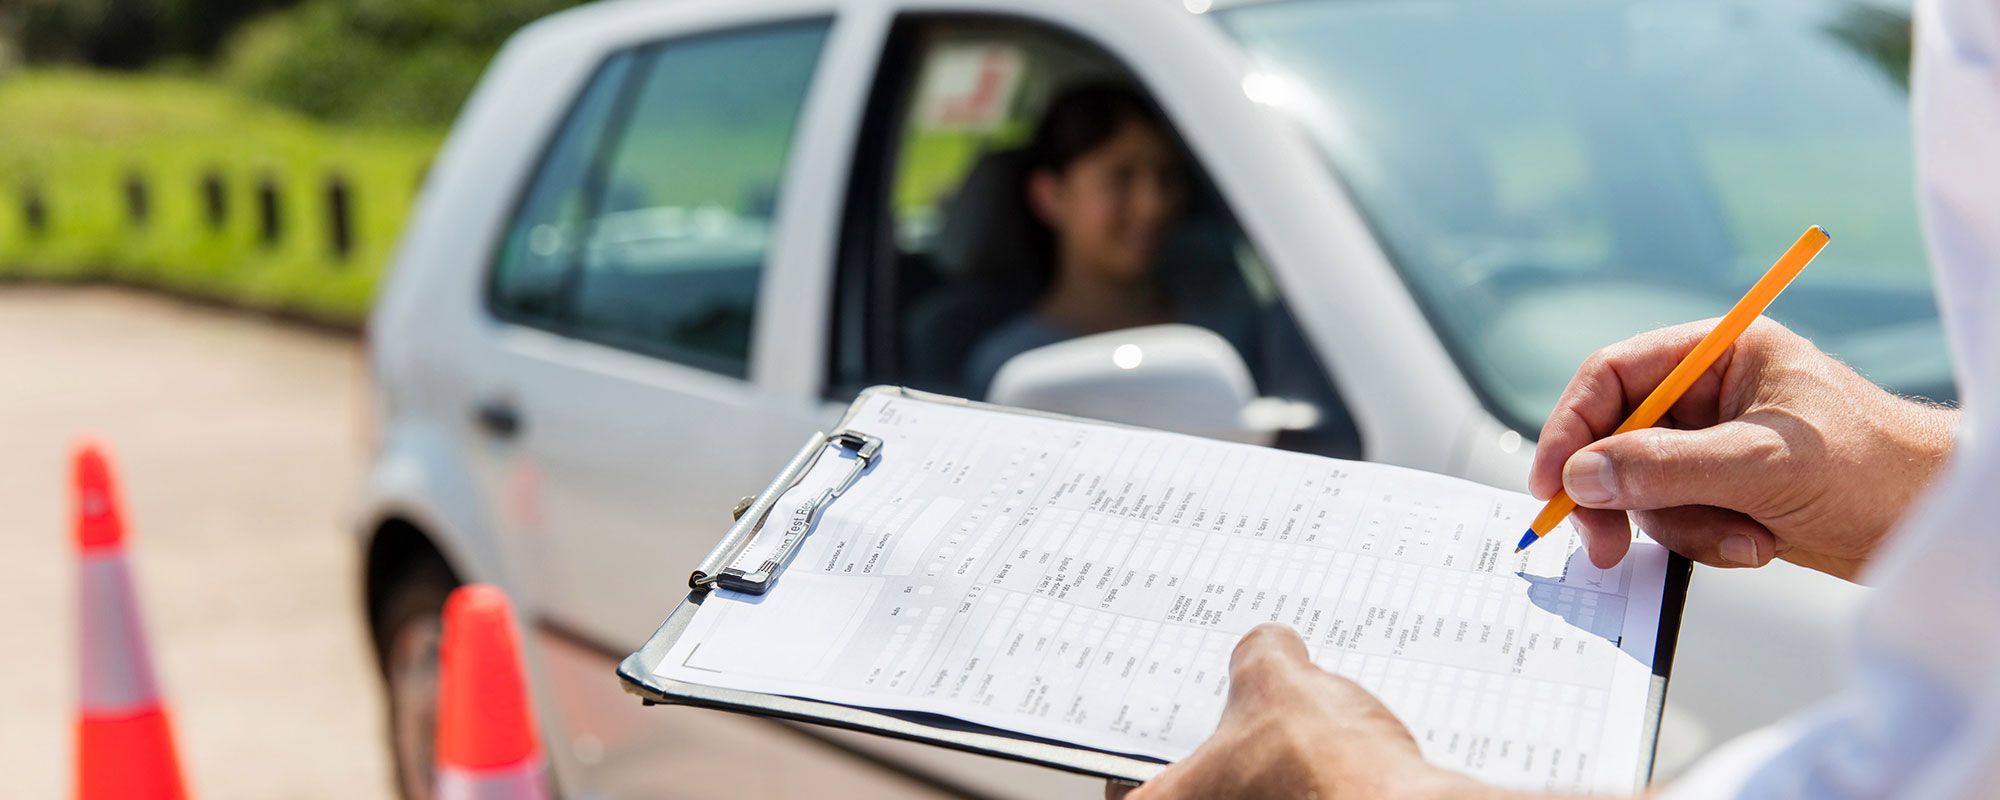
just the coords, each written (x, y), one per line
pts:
(753, 521)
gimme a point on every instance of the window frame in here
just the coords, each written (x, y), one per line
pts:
(618, 116)
(862, 282)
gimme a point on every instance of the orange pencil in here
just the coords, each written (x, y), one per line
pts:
(1697, 362)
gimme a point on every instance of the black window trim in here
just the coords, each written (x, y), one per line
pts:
(566, 326)
(861, 308)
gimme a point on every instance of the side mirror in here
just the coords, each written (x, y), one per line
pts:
(1173, 377)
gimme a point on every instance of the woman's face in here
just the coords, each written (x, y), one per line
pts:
(1111, 207)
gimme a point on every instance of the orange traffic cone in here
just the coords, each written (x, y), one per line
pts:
(486, 743)
(124, 745)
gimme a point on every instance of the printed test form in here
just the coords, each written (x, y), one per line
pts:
(1086, 583)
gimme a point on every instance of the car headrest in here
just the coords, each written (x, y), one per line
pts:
(988, 236)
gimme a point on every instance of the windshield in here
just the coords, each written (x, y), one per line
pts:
(1551, 177)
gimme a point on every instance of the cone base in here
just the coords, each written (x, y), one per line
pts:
(129, 757)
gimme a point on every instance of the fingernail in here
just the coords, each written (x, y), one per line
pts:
(1740, 550)
(1587, 478)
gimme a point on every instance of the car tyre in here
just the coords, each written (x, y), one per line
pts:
(407, 633)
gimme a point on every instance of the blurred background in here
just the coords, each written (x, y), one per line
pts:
(262, 153)
(200, 201)
(244, 154)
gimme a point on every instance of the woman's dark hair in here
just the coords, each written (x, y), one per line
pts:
(1083, 118)
(1079, 120)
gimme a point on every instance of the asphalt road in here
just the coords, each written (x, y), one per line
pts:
(234, 440)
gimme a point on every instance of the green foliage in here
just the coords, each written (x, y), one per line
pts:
(358, 89)
(383, 61)
(127, 34)
(112, 33)
(74, 138)
(399, 62)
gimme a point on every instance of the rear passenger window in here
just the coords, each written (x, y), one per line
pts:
(691, 182)
(540, 247)
(662, 248)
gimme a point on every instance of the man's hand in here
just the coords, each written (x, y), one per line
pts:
(1293, 730)
(1777, 451)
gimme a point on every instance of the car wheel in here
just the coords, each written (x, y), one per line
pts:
(406, 636)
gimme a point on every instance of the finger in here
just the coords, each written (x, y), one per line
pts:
(1267, 646)
(1270, 639)
(1607, 534)
(1261, 669)
(1735, 465)
(1263, 673)
(1717, 537)
(1605, 388)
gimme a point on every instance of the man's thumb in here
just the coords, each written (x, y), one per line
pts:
(1266, 647)
(1731, 465)
(1264, 665)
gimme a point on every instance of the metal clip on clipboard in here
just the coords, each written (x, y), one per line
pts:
(734, 565)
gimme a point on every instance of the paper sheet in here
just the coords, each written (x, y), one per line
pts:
(1086, 583)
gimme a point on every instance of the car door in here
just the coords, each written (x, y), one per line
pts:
(621, 417)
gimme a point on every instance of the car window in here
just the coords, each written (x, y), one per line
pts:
(955, 270)
(682, 215)
(647, 223)
(540, 245)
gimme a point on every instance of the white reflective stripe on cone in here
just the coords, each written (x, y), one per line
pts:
(520, 782)
(117, 673)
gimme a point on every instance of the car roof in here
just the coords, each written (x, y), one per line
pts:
(700, 13)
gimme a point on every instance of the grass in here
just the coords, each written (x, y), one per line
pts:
(75, 139)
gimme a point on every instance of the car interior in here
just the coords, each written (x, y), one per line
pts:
(954, 245)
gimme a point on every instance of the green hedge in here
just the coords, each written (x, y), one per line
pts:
(374, 61)
(75, 138)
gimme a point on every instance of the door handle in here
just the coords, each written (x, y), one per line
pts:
(498, 418)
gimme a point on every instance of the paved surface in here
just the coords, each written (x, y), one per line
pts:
(234, 439)
(235, 445)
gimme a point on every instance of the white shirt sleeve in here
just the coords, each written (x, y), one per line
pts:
(1921, 718)
(1921, 715)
